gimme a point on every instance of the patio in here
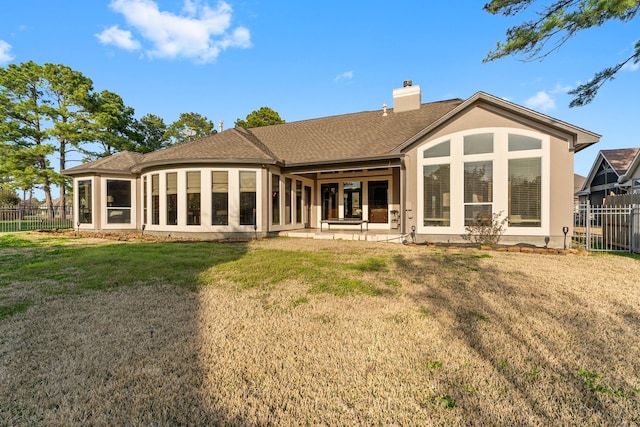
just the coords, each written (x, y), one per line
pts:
(347, 234)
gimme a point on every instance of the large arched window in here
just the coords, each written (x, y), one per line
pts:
(472, 176)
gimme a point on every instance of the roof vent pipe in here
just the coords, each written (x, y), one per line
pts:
(220, 125)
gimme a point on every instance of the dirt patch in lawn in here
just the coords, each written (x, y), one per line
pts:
(458, 337)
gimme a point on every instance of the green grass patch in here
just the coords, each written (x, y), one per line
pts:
(15, 241)
(73, 269)
(592, 381)
(370, 264)
(10, 310)
(299, 301)
(432, 364)
(319, 272)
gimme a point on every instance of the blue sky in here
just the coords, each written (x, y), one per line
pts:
(314, 59)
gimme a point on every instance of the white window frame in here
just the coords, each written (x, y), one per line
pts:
(105, 211)
(76, 207)
(500, 158)
(205, 200)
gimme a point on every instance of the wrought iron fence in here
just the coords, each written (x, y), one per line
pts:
(607, 228)
(18, 218)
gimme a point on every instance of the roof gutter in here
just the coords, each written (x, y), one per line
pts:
(333, 165)
(142, 166)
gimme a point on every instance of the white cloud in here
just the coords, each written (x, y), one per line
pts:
(346, 75)
(541, 101)
(5, 55)
(120, 38)
(200, 32)
(631, 66)
(560, 89)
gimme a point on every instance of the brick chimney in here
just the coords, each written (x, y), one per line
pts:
(407, 99)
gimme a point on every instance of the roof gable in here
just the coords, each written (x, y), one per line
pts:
(581, 137)
(620, 159)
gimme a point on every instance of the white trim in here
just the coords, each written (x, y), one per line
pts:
(500, 158)
(76, 206)
(365, 179)
(205, 201)
(133, 215)
(281, 225)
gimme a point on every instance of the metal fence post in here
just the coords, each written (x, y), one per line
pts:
(632, 229)
(587, 221)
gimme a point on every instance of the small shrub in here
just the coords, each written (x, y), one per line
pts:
(486, 230)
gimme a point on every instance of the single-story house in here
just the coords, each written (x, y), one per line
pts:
(611, 174)
(420, 169)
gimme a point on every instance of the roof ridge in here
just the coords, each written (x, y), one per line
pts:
(253, 139)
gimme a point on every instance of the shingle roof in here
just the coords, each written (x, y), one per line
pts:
(620, 159)
(350, 136)
(119, 162)
(344, 138)
(229, 145)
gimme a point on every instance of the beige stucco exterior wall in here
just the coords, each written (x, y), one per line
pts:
(561, 190)
(558, 178)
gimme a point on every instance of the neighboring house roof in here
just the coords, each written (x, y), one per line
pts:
(578, 182)
(356, 137)
(619, 160)
(631, 170)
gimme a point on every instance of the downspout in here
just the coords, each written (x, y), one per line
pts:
(403, 197)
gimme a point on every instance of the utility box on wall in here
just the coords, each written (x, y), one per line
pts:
(395, 220)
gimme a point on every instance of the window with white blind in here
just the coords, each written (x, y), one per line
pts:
(172, 198)
(275, 199)
(85, 201)
(145, 191)
(155, 199)
(478, 192)
(472, 176)
(437, 195)
(287, 200)
(193, 198)
(525, 192)
(118, 201)
(247, 198)
(220, 198)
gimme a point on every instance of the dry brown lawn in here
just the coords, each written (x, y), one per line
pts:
(459, 338)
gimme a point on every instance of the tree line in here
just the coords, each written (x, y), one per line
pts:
(51, 110)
